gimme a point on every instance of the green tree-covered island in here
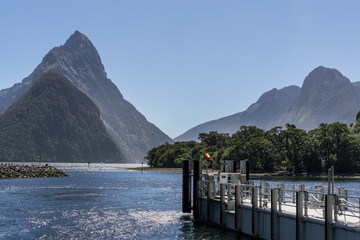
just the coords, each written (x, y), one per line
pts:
(290, 149)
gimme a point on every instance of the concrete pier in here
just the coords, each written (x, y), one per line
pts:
(275, 211)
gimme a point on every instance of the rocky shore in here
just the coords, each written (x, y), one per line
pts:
(29, 171)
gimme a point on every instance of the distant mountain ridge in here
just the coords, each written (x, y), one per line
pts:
(57, 122)
(79, 61)
(325, 97)
(266, 113)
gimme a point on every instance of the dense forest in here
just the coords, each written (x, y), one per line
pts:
(279, 149)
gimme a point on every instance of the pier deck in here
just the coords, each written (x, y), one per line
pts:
(271, 210)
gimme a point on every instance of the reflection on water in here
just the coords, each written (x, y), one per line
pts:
(98, 204)
(104, 203)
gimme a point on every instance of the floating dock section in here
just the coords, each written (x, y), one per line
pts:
(269, 210)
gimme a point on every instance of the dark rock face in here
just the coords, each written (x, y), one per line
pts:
(326, 96)
(266, 113)
(56, 121)
(79, 61)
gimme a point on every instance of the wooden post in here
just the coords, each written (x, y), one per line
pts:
(237, 208)
(274, 211)
(186, 187)
(222, 203)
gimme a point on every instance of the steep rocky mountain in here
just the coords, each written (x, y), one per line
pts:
(357, 87)
(266, 113)
(57, 122)
(326, 96)
(79, 61)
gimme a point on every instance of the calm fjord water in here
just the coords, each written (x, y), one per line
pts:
(98, 204)
(102, 201)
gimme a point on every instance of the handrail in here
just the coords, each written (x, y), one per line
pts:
(344, 206)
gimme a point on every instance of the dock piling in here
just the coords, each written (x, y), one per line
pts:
(186, 187)
(255, 205)
(299, 214)
(274, 212)
(196, 191)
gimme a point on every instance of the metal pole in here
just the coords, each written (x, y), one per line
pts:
(260, 194)
(282, 192)
(266, 190)
(293, 193)
(335, 206)
(237, 208)
(328, 217)
(241, 194)
(279, 198)
(198, 194)
(329, 180)
(210, 183)
(222, 203)
(306, 203)
(332, 175)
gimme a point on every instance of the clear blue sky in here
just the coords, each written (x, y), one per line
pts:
(182, 63)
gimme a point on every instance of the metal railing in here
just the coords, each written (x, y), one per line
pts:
(344, 208)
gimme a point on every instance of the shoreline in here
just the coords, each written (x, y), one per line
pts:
(150, 169)
(276, 175)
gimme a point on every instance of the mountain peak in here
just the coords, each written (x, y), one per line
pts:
(323, 75)
(326, 96)
(78, 41)
(79, 61)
